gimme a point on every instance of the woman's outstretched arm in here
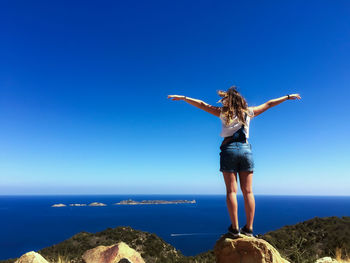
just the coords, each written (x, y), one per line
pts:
(271, 103)
(198, 103)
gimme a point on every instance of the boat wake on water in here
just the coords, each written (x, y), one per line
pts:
(193, 234)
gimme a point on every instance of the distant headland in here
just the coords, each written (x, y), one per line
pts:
(154, 202)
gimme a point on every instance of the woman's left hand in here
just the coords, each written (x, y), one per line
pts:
(294, 96)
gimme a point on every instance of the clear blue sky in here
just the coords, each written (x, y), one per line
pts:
(84, 85)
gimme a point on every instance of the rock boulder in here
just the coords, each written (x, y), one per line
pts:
(245, 250)
(120, 252)
(31, 257)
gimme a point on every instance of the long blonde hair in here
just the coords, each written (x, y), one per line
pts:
(235, 105)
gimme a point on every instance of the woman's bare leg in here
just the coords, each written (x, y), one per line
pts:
(231, 197)
(246, 182)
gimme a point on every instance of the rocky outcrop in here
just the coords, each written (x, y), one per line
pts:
(326, 260)
(117, 253)
(245, 250)
(31, 257)
(120, 252)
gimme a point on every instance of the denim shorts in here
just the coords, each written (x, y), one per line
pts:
(236, 157)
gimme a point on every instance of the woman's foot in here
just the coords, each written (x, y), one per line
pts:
(246, 231)
(234, 232)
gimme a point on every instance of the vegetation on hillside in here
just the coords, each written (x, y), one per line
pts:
(312, 239)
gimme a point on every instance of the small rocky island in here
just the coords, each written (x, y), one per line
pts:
(92, 204)
(154, 202)
(58, 205)
(97, 204)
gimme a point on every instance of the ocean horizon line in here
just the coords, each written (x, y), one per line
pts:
(300, 195)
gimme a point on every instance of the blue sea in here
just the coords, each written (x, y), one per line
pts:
(30, 223)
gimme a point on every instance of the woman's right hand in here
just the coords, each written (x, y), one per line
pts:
(176, 97)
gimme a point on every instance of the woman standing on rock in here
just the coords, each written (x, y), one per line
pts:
(236, 155)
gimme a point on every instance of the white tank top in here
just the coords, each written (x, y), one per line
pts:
(235, 125)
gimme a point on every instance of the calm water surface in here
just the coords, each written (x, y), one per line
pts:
(30, 223)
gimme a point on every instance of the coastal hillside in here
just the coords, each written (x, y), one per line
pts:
(304, 242)
(312, 239)
(151, 247)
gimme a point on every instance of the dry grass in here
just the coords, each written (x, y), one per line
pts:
(61, 259)
(338, 256)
